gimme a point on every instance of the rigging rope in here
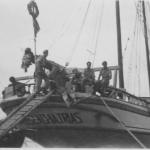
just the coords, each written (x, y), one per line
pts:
(122, 124)
(142, 30)
(92, 39)
(65, 27)
(136, 58)
(139, 12)
(98, 32)
(128, 39)
(139, 56)
(117, 118)
(136, 46)
(141, 20)
(138, 49)
(134, 49)
(130, 67)
(148, 22)
(79, 33)
(133, 81)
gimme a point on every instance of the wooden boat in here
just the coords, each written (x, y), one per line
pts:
(117, 119)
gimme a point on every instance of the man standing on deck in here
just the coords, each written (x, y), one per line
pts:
(76, 80)
(40, 74)
(106, 75)
(89, 76)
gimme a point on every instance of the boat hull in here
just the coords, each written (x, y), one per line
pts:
(86, 124)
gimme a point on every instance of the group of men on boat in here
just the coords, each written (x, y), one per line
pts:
(57, 78)
(79, 81)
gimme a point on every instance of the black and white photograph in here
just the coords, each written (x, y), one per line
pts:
(75, 74)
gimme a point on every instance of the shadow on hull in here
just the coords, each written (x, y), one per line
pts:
(85, 138)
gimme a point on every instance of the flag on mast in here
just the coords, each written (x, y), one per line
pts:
(36, 27)
(34, 12)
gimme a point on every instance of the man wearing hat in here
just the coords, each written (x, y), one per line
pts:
(40, 74)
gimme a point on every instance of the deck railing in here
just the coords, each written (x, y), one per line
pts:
(122, 95)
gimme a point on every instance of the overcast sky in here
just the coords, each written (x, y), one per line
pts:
(61, 24)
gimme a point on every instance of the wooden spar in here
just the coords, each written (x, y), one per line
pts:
(69, 71)
(120, 60)
(96, 69)
(24, 78)
(146, 42)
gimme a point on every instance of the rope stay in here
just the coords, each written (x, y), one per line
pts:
(129, 54)
(135, 48)
(136, 87)
(146, 34)
(79, 33)
(117, 118)
(148, 22)
(140, 32)
(99, 23)
(93, 32)
(130, 67)
(64, 28)
(135, 57)
(148, 4)
(122, 124)
(139, 61)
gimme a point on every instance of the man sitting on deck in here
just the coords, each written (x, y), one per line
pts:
(18, 87)
(61, 84)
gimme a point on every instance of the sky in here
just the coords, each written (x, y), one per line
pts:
(66, 31)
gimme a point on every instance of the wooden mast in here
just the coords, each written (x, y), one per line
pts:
(146, 41)
(120, 61)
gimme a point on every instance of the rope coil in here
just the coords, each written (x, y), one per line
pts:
(33, 9)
